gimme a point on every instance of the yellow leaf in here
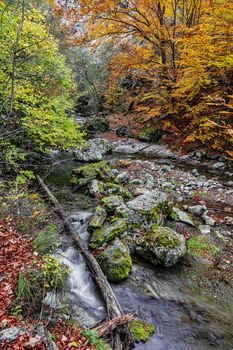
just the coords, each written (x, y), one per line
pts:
(35, 214)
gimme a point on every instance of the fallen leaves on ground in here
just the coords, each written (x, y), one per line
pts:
(16, 256)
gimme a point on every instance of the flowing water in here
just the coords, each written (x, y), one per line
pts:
(187, 315)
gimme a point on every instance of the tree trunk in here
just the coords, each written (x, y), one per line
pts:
(112, 305)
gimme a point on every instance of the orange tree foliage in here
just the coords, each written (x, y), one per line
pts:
(179, 53)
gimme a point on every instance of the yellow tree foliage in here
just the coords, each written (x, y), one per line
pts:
(177, 52)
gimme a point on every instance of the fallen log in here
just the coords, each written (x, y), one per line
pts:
(110, 325)
(112, 305)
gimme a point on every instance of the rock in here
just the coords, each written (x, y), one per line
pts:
(195, 172)
(84, 175)
(96, 149)
(197, 209)
(115, 261)
(218, 165)
(229, 184)
(149, 201)
(229, 221)
(208, 219)
(149, 135)
(10, 334)
(158, 151)
(138, 191)
(115, 189)
(123, 177)
(147, 209)
(33, 342)
(112, 202)
(204, 229)
(96, 124)
(141, 330)
(161, 246)
(96, 187)
(182, 216)
(98, 218)
(124, 131)
(108, 232)
(128, 146)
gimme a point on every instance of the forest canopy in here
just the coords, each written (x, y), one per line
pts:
(177, 56)
(36, 85)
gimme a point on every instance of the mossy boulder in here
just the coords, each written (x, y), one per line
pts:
(115, 261)
(147, 209)
(182, 216)
(97, 219)
(96, 188)
(96, 124)
(107, 233)
(112, 202)
(161, 246)
(141, 331)
(149, 134)
(94, 151)
(84, 175)
(115, 189)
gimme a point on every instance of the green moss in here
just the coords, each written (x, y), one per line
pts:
(163, 238)
(200, 246)
(106, 233)
(141, 331)
(116, 261)
(112, 202)
(113, 188)
(84, 175)
(98, 218)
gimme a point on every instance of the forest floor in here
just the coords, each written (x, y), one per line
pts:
(20, 327)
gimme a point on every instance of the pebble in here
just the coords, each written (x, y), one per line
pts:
(208, 219)
(204, 229)
(218, 165)
(197, 209)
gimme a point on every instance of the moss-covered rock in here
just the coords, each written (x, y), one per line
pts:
(96, 188)
(150, 134)
(112, 202)
(86, 174)
(107, 232)
(115, 261)
(112, 188)
(182, 216)
(94, 151)
(97, 219)
(141, 331)
(96, 124)
(147, 209)
(161, 246)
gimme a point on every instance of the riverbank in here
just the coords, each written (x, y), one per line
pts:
(199, 288)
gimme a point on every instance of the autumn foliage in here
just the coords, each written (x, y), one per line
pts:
(176, 55)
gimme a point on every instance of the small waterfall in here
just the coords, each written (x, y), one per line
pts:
(81, 296)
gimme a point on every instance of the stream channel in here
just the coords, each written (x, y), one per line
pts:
(186, 316)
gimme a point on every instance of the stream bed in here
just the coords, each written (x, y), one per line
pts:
(187, 311)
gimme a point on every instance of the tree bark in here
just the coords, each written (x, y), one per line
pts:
(113, 307)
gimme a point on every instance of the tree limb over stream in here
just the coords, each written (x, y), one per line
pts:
(122, 338)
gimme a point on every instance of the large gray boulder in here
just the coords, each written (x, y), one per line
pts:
(161, 246)
(158, 151)
(95, 151)
(115, 261)
(145, 210)
(128, 146)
